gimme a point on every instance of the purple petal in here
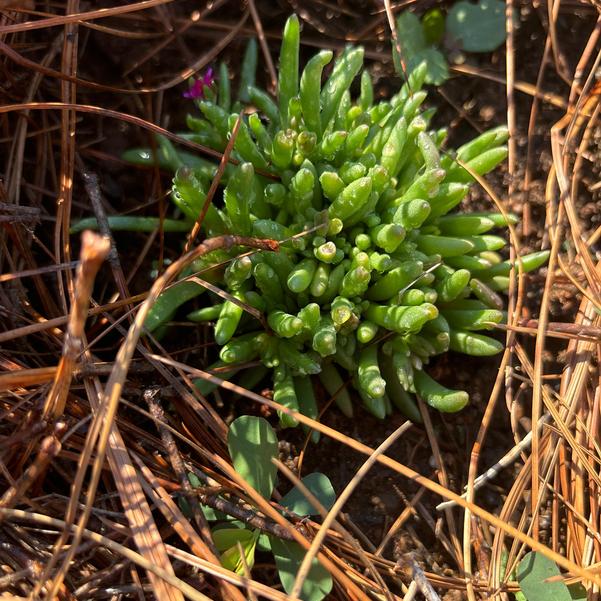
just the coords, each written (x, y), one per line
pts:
(208, 79)
(195, 91)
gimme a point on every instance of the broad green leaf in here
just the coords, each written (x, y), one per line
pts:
(288, 558)
(319, 485)
(533, 573)
(252, 444)
(577, 592)
(415, 50)
(479, 27)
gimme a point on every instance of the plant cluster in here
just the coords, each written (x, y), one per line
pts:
(376, 273)
(253, 445)
(473, 27)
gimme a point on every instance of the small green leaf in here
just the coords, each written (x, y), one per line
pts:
(438, 68)
(224, 538)
(212, 514)
(479, 27)
(533, 573)
(410, 34)
(252, 444)
(319, 485)
(415, 50)
(433, 24)
(577, 592)
(263, 543)
(288, 558)
(227, 539)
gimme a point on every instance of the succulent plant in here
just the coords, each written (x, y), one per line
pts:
(376, 273)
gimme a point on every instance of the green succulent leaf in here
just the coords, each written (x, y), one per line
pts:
(377, 272)
(168, 302)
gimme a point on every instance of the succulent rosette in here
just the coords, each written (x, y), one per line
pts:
(377, 273)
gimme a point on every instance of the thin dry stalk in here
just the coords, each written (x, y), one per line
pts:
(94, 250)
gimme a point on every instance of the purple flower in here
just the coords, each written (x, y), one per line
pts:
(196, 90)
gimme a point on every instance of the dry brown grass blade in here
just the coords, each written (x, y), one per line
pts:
(182, 527)
(49, 448)
(19, 515)
(103, 433)
(137, 511)
(151, 396)
(455, 551)
(569, 440)
(115, 114)
(521, 86)
(7, 277)
(49, 324)
(205, 59)
(145, 533)
(79, 17)
(182, 76)
(264, 47)
(17, 151)
(22, 378)
(62, 242)
(516, 296)
(94, 251)
(195, 18)
(566, 464)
